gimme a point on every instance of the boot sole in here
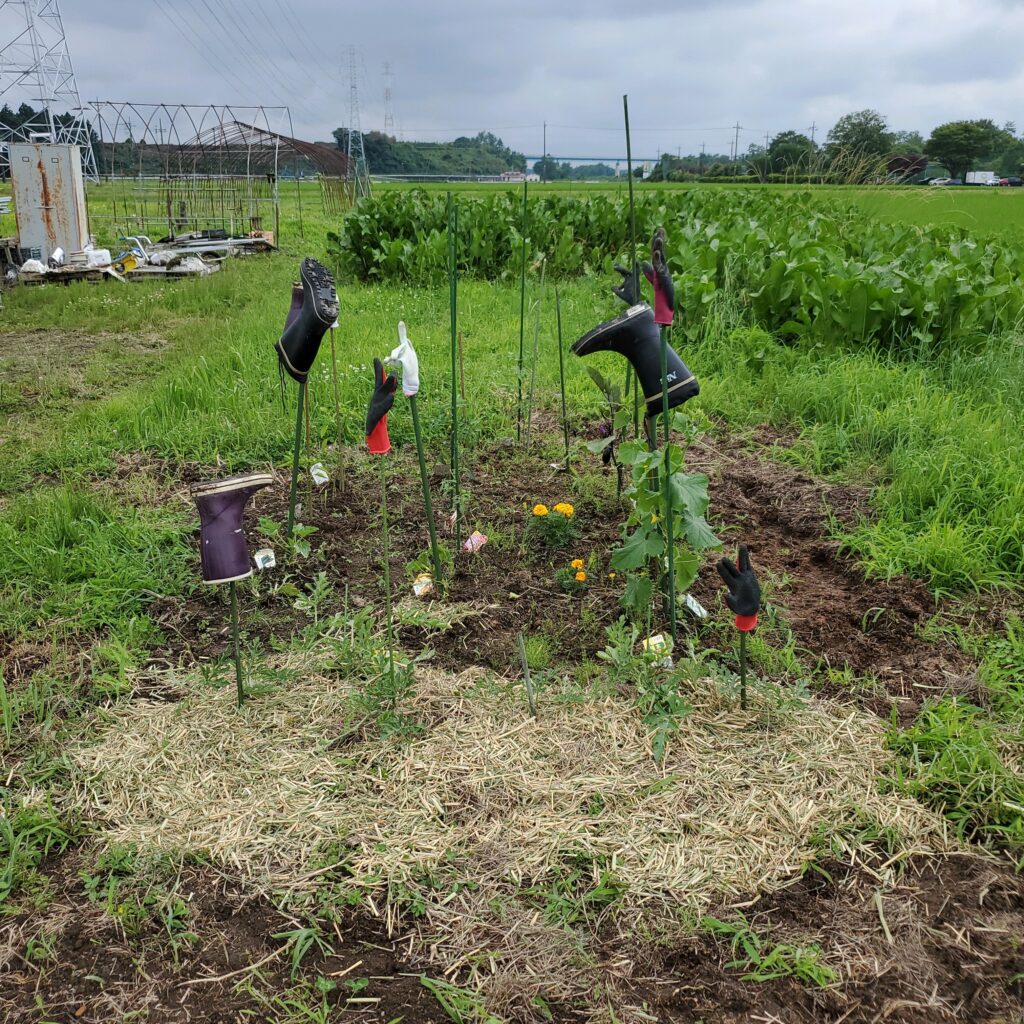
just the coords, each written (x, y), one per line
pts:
(321, 289)
(584, 346)
(230, 579)
(233, 483)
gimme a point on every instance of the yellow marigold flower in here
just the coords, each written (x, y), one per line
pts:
(581, 577)
(540, 510)
(565, 508)
(577, 563)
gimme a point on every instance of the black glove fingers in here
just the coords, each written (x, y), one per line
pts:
(727, 570)
(744, 558)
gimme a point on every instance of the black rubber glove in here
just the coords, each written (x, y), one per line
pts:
(657, 273)
(744, 597)
(629, 289)
(381, 400)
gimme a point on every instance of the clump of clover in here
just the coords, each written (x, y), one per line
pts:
(555, 526)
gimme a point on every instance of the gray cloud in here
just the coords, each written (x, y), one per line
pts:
(691, 68)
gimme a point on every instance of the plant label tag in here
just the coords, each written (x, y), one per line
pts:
(319, 474)
(264, 558)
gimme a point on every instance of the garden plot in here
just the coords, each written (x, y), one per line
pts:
(526, 839)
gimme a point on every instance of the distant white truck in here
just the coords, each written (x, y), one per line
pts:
(982, 178)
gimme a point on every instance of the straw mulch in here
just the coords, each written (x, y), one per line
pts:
(494, 826)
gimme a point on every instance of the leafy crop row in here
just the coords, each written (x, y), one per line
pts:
(824, 272)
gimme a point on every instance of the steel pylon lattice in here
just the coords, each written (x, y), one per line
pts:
(36, 67)
(359, 177)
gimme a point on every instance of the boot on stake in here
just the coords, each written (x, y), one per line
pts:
(307, 322)
(634, 334)
(223, 550)
(744, 599)
(378, 442)
(405, 357)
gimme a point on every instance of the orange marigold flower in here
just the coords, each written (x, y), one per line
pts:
(581, 577)
(577, 563)
(540, 510)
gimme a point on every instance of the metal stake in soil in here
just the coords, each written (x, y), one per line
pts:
(295, 462)
(743, 670)
(234, 635)
(666, 477)
(435, 556)
(337, 414)
(522, 325)
(533, 363)
(632, 254)
(387, 573)
(453, 230)
(561, 378)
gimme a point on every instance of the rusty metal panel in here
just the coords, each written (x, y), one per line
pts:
(49, 198)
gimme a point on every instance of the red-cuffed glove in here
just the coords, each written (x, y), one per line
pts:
(381, 400)
(658, 275)
(744, 596)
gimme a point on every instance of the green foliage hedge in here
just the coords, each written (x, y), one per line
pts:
(807, 269)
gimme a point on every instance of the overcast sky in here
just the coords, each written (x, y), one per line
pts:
(691, 68)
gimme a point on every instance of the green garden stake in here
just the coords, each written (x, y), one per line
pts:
(632, 255)
(743, 670)
(428, 505)
(295, 463)
(522, 325)
(234, 634)
(561, 378)
(387, 571)
(533, 365)
(666, 477)
(453, 230)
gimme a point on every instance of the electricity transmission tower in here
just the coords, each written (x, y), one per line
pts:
(35, 62)
(389, 114)
(358, 176)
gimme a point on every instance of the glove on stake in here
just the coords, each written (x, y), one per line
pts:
(744, 598)
(381, 400)
(629, 288)
(657, 273)
(377, 441)
(634, 334)
(404, 355)
(222, 546)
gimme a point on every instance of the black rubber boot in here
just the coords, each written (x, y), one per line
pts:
(635, 335)
(222, 545)
(304, 328)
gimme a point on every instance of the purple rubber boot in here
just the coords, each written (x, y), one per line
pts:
(308, 320)
(222, 544)
(634, 334)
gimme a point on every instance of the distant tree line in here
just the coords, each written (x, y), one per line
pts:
(484, 153)
(861, 146)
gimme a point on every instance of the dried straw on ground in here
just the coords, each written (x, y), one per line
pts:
(492, 797)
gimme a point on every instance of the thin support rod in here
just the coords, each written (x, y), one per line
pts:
(666, 478)
(632, 250)
(453, 230)
(295, 462)
(428, 505)
(522, 324)
(743, 670)
(533, 361)
(234, 636)
(561, 377)
(387, 574)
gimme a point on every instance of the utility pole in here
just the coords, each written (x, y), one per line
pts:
(356, 169)
(813, 127)
(701, 164)
(544, 149)
(736, 145)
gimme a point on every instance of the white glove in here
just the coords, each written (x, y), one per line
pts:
(405, 356)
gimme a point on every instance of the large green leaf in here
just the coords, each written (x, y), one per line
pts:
(638, 549)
